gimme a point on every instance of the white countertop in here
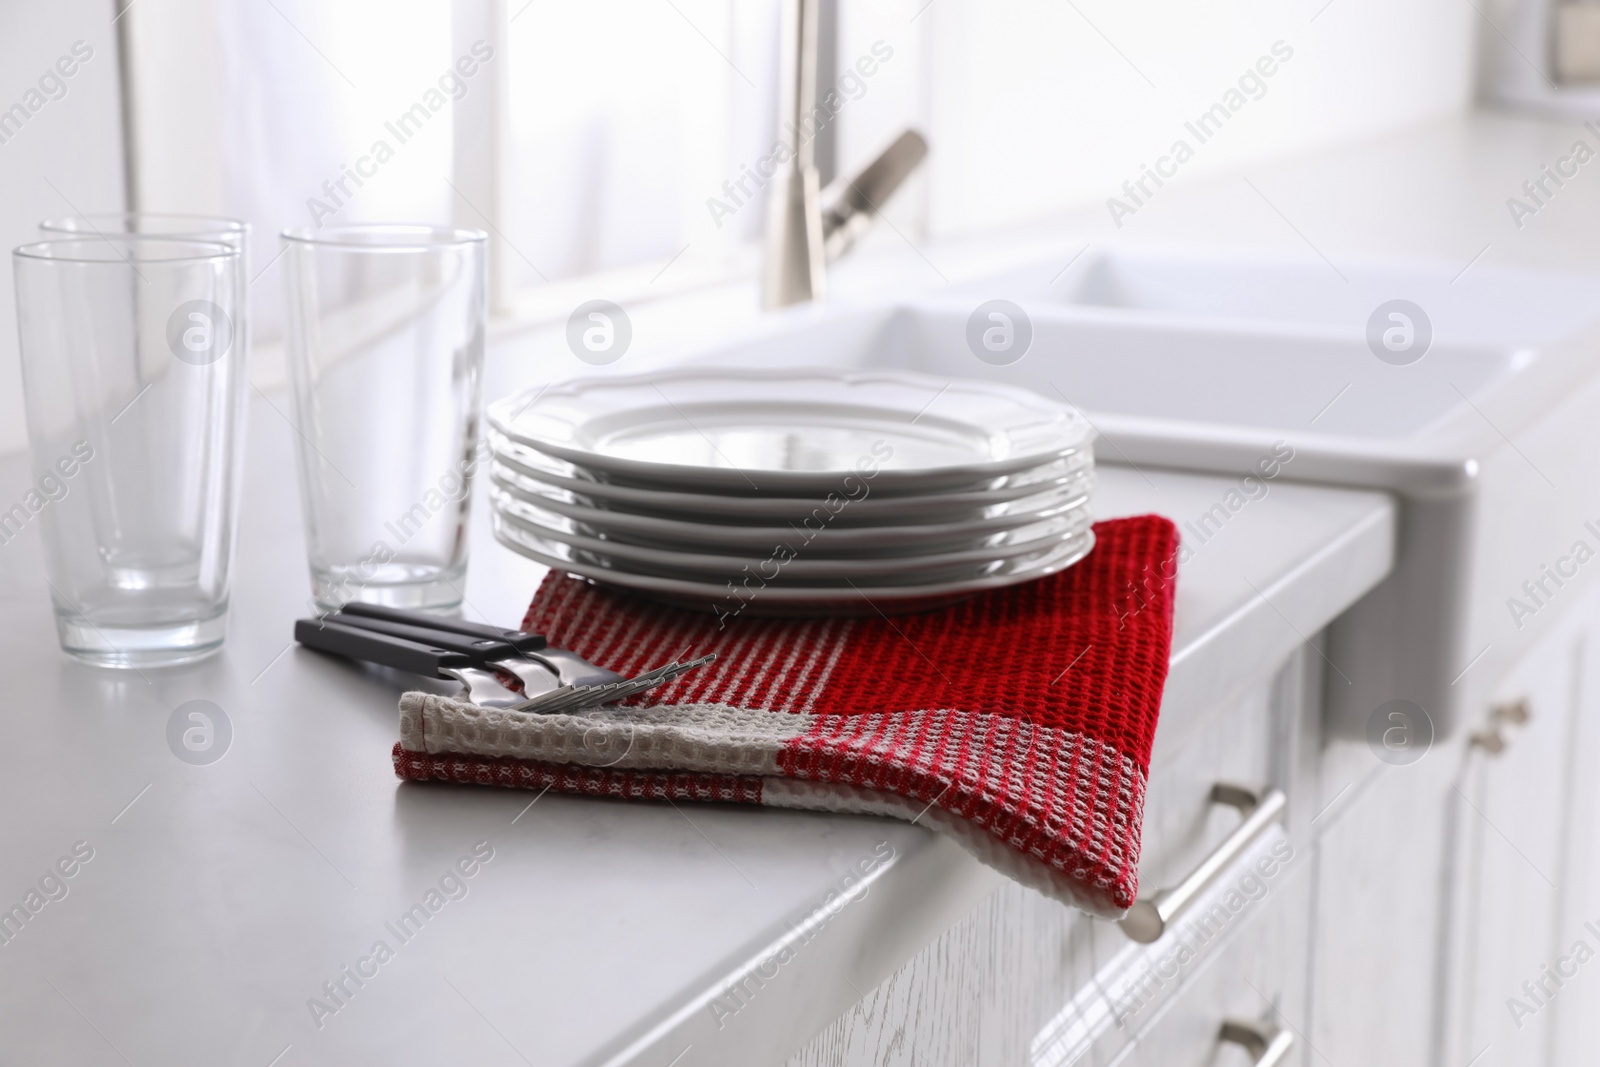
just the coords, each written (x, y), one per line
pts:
(220, 898)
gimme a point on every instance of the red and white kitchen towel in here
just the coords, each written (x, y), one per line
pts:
(1019, 722)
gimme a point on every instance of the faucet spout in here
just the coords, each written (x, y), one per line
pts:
(795, 264)
(808, 227)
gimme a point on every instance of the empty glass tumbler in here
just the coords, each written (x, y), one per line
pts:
(135, 375)
(149, 224)
(231, 232)
(385, 328)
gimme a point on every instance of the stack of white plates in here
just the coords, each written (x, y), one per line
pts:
(793, 491)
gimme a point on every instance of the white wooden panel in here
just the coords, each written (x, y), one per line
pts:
(1516, 867)
(1260, 978)
(1575, 1023)
(1380, 863)
(1133, 1000)
(982, 992)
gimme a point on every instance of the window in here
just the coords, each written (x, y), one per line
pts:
(587, 138)
(623, 118)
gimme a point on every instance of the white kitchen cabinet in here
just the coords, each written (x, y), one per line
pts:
(1524, 820)
(1376, 913)
(1443, 886)
(1259, 980)
(1430, 893)
(1574, 1024)
(1024, 980)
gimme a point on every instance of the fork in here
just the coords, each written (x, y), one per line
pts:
(554, 679)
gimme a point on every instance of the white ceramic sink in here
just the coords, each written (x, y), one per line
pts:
(1231, 373)
(1481, 304)
(1492, 437)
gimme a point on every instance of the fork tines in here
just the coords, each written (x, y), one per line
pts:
(570, 697)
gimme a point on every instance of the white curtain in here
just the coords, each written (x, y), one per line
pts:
(620, 121)
(624, 117)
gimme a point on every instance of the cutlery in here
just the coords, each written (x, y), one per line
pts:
(589, 696)
(483, 687)
(489, 653)
(554, 679)
(571, 668)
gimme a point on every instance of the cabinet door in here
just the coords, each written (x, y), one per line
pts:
(1572, 1018)
(1445, 885)
(1378, 920)
(1523, 863)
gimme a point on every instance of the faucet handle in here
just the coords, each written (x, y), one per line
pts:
(849, 203)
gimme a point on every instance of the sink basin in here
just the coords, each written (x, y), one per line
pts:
(1490, 438)
(1484, 304)
(1244, 374)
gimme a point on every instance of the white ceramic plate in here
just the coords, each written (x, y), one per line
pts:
(789, 562)
(790, 431)
(845, 599)
(824, 537)
(1018, 491)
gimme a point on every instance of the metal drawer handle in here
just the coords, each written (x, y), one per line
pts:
(1150, 916)
(1268, 1046)
(1492, 738)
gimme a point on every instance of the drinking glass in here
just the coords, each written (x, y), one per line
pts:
(385, 329)
(231, 232)
(135, 376)
(149, 224)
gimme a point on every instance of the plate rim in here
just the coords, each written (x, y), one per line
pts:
(732, 477)
(739, 504)
(840, 536)
(639, 553)
(692, 590)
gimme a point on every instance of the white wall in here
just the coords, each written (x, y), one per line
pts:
(67, 156)
(1036, 106)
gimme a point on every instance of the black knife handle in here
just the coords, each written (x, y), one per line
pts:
(479, 648)
(517, 639)
(325, 635)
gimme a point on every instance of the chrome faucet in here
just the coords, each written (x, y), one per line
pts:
(809, 227)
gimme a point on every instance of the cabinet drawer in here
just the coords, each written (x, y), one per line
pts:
(1237, 952)
(1181, 825)
(988, 989)
(1258, 979)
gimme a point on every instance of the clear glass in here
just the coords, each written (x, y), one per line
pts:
(148, 224)
(135, 376)
(385, 329)
(232, 232)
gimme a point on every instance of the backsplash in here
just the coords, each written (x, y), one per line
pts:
(1033, 109)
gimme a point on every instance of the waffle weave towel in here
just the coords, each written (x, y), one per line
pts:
(1019, 722)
